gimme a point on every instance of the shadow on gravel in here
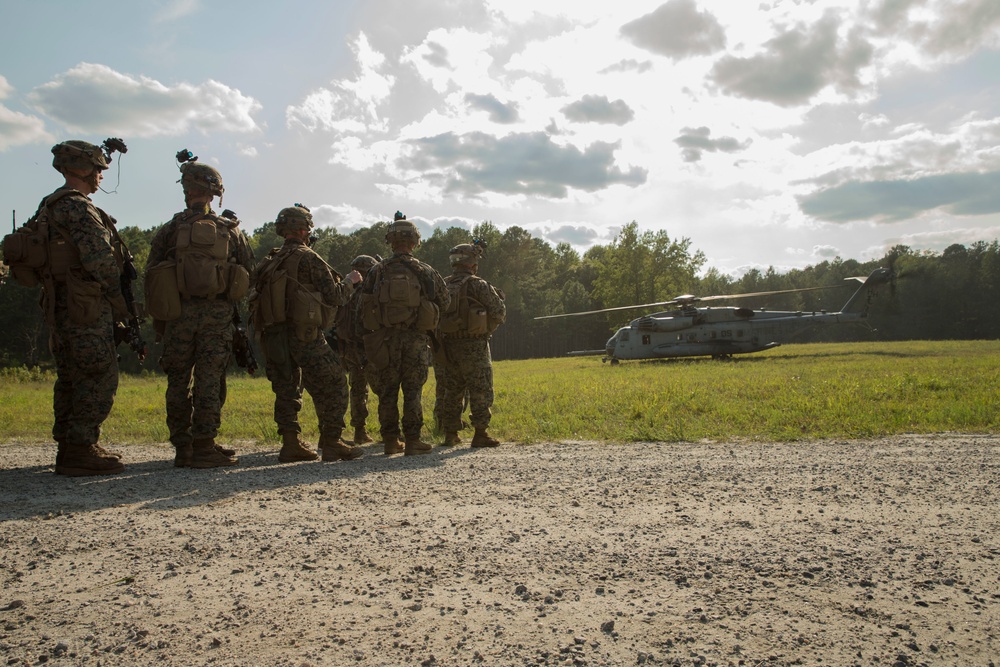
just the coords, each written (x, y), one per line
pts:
(156, 485)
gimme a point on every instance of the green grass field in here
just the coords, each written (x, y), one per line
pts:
(850, 390)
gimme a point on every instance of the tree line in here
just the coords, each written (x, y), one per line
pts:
(950, 295)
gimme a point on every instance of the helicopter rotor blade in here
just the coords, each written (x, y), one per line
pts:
(689, 299)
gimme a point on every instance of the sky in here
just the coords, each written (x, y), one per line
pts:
(775, 133)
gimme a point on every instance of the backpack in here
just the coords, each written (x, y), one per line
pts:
(280, 297)
(399, 300)
(201, 253)
(32, 256)
(464, 314)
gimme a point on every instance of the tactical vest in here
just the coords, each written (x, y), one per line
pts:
(201, 267)
(281, 296)
(464, 314)
(399, 300)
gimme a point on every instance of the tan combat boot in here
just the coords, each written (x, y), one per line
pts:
(484, 439)
(451, 439)
(183, 455)
(84, 461)
(107, 453)
(361, 436)
(392, 445)
(415, 447)
(225, 451)
(205, 455)
(335, 449)
(294, 448)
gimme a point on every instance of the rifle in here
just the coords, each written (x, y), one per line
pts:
(130, 332)
(241, 344)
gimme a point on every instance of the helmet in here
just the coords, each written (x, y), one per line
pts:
(401, 228)
(292, 219)
(363, 263)
(465, 253)
(76, 154)
(197, 176)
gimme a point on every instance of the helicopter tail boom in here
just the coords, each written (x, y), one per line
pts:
(861, 299)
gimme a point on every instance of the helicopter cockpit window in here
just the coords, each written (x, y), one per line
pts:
(625, 336)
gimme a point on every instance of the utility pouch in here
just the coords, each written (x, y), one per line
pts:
(376, 350)
(163, 299)
(239, 282)
(83, 299)
(428, 314)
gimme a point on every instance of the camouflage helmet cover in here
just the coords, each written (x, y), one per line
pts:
(401, 228)
(201, 176)
(76, 154)
(363, 263)
(292, 219)
(465, 253)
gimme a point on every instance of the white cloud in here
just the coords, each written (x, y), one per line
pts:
(95, 98)
(348, 105)
(17, 128)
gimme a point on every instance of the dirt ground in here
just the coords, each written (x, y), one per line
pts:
(879, 552)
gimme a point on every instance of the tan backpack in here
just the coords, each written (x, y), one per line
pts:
(32, 255)
(200, 267)
(280, 297)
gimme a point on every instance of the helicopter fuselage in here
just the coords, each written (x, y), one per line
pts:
(715, 332)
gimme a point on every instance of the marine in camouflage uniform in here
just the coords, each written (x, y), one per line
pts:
(407, 348)
(197, 345)
(85, 355)
(352, 354)
(467, 363)
(295, 360)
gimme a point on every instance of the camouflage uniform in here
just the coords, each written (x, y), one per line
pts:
(353, 356)
(85, 354)
(313, 364)
(409, 353)
(467, 363)
(197, 346)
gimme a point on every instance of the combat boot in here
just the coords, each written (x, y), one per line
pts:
(361, 436)
(205, 455)
(392, 445)
(415, 447)
(183, 455)
(108, 453)
(294, 448)
(484, 439)
(335, 449)
(451, 439)
(85, 461)
(225, 451)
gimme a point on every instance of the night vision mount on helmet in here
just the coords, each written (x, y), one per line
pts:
(467, 253)
(401, 229)
(198, 175)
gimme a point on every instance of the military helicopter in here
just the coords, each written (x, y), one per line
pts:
(689, 331)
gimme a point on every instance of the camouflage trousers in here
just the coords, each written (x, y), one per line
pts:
(86, 374)
(196, 351)
(409, 359)
(312, 365)
(357, 379)
(468, 368)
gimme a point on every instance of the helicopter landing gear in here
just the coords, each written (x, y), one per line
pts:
(722, 357)
(614, 362)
